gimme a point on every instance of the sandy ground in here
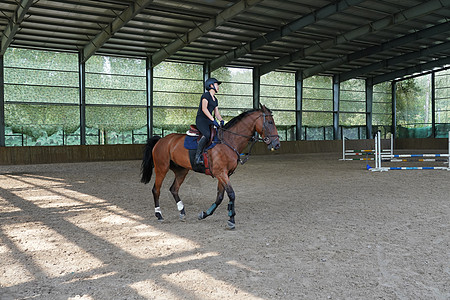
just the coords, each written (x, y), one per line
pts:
(307, 227)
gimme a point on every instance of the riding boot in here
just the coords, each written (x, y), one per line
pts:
(200, 148)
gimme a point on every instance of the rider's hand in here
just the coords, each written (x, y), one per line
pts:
(216, 124)
(222, 123)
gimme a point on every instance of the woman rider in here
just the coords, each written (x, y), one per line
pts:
(208, 104)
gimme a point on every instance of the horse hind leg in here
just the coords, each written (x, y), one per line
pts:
(180, 175)
(160, 174)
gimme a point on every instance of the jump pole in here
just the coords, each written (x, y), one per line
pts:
(351, 152)
(379, 157)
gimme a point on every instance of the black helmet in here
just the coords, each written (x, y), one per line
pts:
(210, 81)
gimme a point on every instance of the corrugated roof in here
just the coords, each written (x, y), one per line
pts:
(353, 38)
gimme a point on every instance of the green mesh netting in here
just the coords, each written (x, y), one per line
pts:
(422, 132)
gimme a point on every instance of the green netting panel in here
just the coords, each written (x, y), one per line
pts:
(42, 94)
(274, 90)
(233, 75)
(317, 105)
(442, 130)
(116, 65)
(317, 94)
(37, 59)
(284, 118)
(180, 71)
(381, 119)
(278, 103)
(279, 78)
(23, 115)
(178, 85)
(41, 77)
(353, 106)
(233, 101)
(108, 81)
(116, 118)
(174, 119)
(177, 99)
(317, 119)
(422, 132)
(317, 133)
(115, 97)
(349, 119)
(236, 89)
(324, 82)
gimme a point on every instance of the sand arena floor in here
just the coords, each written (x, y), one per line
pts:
(307, 227)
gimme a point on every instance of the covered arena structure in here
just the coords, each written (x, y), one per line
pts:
(84, 83)
(350, 43)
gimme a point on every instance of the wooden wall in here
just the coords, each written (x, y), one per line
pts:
(68, 154)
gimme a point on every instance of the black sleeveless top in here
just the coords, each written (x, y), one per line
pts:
(212, 104)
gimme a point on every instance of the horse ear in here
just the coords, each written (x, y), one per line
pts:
(263, 107)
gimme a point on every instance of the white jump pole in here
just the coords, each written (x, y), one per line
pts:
(379, 157)
(349, 152)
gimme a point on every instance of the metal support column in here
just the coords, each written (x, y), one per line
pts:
(2, 102)
(149, 89)
(336, 92)
(298, 104)
(433, 104)
(82, 93)
(256, 87)
(206, 73)
(394, 108)
(369, 107)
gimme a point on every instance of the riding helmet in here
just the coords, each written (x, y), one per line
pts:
(210, 81)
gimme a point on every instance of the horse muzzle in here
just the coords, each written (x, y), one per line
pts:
(272, 145)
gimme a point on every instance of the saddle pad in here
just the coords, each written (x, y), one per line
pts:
(191, 142)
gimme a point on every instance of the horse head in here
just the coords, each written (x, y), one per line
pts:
(265, 126)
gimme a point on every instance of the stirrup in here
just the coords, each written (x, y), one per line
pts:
(199, 160)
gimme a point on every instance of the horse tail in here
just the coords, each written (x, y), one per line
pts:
(147, 162)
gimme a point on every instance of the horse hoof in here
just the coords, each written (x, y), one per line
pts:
(182, 217)
(231, 225)
(202, 215)
(160, 217)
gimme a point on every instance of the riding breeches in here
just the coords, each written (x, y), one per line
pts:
(203, 126)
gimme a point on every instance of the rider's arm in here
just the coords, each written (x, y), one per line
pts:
(205, 109)
(217, 114)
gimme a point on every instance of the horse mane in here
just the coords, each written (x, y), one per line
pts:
(238, 118)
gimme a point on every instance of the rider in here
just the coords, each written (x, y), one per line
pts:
(208, 104)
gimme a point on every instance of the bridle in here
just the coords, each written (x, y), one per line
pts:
(254, 138)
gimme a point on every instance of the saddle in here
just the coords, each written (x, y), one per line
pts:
(193, 131)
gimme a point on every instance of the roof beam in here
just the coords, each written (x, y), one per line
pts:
(409, 71)
(201, 30)
(345, 59)
(14, 24)
(398, 18)
(426, 52)
(107, 32)
(285, 30)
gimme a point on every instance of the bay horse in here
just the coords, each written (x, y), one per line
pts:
(169, 152)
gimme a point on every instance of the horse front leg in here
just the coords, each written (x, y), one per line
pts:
(219, 198)
(224, 185)
(231, 212)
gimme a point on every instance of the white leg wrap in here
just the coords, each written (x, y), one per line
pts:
(180, 205)
(158, 210)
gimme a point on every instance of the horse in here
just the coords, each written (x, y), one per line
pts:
(169, 152)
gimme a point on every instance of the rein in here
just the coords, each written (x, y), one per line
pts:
(254, 138)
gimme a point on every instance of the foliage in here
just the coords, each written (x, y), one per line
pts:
(413, 101)
(42, 97)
